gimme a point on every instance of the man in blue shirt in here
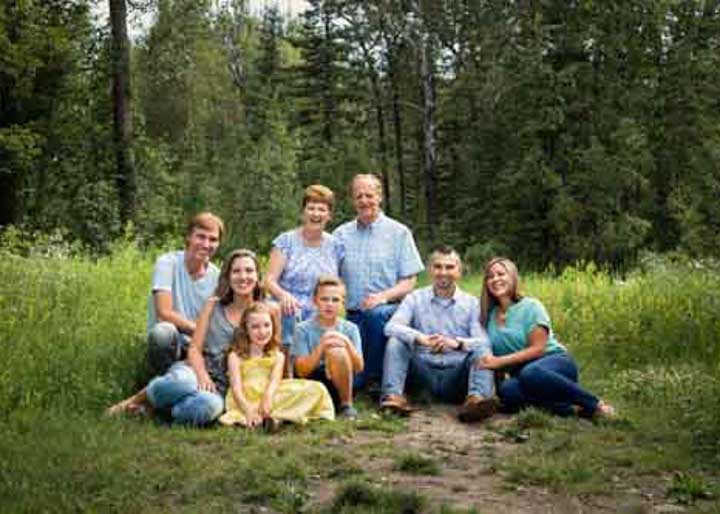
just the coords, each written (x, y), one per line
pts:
(436, 339)
(380, 267)
(182, 282)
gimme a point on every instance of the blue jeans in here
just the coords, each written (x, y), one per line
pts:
(449, 376)
(372, 332)
(288, 328)
(550, 383)
(166, 345)
(177, 390)
(289, 321)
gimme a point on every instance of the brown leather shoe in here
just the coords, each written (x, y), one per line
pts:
(477, 408)
(396, 403)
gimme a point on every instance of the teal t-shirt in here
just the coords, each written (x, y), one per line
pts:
(522, 318)
(308, 334)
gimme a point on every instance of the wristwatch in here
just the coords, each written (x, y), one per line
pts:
(461, 345)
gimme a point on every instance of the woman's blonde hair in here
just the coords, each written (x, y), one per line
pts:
(318, 193)
(241, 338)
(487, 300)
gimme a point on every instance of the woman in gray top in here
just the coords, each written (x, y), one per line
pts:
(193, 391)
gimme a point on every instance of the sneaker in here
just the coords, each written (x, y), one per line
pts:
(477, 408)
(397, 404)
(348, 412)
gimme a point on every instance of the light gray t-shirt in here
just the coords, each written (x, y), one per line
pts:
(188, 295)
(219, 336)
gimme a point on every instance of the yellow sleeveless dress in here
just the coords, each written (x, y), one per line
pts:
(295, 400)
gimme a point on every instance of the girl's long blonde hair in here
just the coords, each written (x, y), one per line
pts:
(487, 300)
(241, 339)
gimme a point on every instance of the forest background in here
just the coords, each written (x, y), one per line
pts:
(552, 131)
(578, 137)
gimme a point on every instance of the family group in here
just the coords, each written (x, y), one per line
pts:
(223, 352)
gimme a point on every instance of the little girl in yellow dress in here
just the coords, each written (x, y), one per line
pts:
(258, 395)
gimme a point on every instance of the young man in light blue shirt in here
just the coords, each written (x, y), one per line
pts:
(182, 282)
(380, 267)
(436, 340)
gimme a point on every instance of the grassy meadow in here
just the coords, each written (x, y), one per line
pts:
(72, 333)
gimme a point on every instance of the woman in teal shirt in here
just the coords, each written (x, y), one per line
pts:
(542, 372)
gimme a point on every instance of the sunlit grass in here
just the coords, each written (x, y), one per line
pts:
(73, 342)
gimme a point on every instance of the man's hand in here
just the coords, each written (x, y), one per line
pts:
(441, 343)
(438, 343)
(205, 383)
(373, 300)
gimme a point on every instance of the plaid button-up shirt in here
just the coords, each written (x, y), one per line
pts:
(377, 256)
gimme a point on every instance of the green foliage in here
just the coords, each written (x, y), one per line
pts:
(416, 464)
(688, 488)
(565, 133)
(73, 330)
(360, 496)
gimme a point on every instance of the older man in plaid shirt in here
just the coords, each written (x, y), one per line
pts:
(380, 267)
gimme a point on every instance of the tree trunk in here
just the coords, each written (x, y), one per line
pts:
(398, 135)
(427, 76)
(380, 119)
(120, 62)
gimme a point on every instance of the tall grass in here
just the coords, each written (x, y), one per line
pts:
(71, 329)
(649, 343)
(72, 338)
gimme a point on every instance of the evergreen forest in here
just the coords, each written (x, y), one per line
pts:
(552, 131)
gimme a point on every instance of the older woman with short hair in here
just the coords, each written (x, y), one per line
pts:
(299, 256)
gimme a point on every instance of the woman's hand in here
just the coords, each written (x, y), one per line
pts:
(488, 362)
(253, 418)
(289, 304)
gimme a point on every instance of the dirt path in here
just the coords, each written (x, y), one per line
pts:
(466, 455)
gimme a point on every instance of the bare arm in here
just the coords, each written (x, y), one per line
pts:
(195, 351)
(537, 341)
(306, 364)
(273, 383)
(162, 300)
(395, 293)
(276, 265)
(356, 358)
(236, 387)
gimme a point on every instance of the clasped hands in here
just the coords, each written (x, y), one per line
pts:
(256, 414)
(438, 343)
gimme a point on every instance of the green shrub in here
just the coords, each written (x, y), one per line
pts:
(417, 464)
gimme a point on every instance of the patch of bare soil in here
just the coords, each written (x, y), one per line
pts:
(467, 455)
